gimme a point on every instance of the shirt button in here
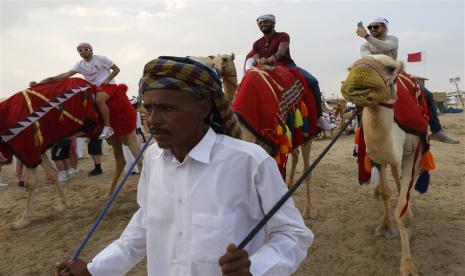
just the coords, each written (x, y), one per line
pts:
(180, 201)
(180, 234)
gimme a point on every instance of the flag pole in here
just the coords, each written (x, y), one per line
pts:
(424, 63)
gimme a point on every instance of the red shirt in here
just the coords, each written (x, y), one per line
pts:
(272, 47)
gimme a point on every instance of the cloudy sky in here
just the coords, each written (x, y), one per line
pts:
(38, 38)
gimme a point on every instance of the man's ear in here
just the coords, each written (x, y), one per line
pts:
(205, 106)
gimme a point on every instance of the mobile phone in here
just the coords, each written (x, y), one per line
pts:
(360, 24)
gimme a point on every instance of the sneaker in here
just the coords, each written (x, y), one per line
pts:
(72, 171)
(107, 132)
(21, 183)
(324, 123)
(63, 176)
(95, 172)
(442, 136)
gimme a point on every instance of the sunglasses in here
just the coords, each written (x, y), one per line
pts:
(373, 27)
(83, 50)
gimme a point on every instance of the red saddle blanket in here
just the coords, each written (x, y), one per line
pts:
(411, 110)
(278, 106)
(34, 119)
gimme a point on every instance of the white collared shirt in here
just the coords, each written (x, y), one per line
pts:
(190, 211)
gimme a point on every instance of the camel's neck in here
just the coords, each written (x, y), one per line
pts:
(230, 86)
(378, 122)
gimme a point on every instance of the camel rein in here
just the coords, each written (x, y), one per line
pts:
(111, 199)
(294, 187)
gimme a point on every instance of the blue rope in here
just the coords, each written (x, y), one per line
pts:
(110, 201)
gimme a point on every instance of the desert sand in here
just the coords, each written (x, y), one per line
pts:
(344, 241)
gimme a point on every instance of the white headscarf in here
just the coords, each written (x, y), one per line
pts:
(381, 20)
(266, 17)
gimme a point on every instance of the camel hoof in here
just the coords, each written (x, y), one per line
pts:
(311, 214)
(386, 231)
(22, 223)
(407, 268)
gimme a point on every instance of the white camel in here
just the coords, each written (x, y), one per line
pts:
(224, 63)
(386, 143)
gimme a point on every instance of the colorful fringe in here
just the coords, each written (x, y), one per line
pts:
(292, 133)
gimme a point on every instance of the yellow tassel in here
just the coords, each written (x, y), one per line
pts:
(283, 149)
(289, 135)
(367, 163)
(279, 130)
(278, 159)
(427, 161)
(84, 103)
(298, 122)
(357, 136)
(61, 119)
(36, 139)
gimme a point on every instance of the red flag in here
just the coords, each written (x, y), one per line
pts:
(414, 57)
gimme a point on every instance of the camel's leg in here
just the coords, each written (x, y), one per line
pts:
(119, 163)
(309, 211)
(52, 174)
(385, 228)
(407, 267)
(294, 161)
(134, 147)
(395, 170)
(30, 182)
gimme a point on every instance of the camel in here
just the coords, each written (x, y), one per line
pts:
(387, 143)
(224, 63)
(31, 173)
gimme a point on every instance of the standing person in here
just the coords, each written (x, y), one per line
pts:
(3, 160)
(379, 42)
(128, 156)
(94, 148)
(60, 155)
(99, 71)
(200, 192)
(274, 47)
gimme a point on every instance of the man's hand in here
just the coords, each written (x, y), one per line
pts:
(235, 262)
(77, 268)
(106, 81)
(362, 32)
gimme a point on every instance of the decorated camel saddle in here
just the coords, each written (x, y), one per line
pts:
(276, 104)
(35, 118)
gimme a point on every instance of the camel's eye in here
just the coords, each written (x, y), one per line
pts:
(391, 69)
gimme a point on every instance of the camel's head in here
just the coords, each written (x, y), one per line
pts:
(224, 64)
(371, 80)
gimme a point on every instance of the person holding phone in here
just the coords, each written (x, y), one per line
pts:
(379, 42)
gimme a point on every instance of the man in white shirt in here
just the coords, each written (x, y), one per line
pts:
(201, 192)
(98, 70)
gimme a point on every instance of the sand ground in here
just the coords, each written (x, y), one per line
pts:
(344, 242)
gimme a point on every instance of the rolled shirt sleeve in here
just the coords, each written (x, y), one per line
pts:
(290, 238)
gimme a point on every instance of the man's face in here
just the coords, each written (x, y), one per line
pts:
(175, 118)
(266, 26)
(377, 30)
(84, 52)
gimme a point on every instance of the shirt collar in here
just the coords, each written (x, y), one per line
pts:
(201, 152)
